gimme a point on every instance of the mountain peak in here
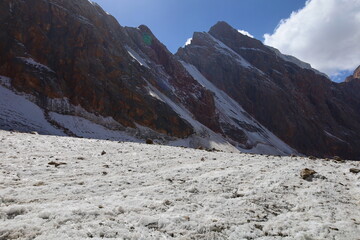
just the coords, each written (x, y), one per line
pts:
(357, 72)
(222, 28)
(356, 75)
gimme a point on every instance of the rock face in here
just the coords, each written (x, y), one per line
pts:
(74, 50)
(355, 76)
(83, 74)
(297, 103)
(77, 64)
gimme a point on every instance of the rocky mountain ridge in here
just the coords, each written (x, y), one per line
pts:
(85, 75)
(300, 105)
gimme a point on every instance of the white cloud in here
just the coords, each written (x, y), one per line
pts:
(245, 33)
(325, 33)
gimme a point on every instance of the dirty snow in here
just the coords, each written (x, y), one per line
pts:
(104, 190)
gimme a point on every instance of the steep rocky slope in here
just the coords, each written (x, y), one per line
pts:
(297, 103)
(355, 76)
(85, 71)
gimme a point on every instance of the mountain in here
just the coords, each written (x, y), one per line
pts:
(69, 68)
(355, 76)
(82, 74)
(298, 104)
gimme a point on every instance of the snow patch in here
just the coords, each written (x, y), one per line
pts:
(85, 128)
(5, 81)
(188, 42)
(31, 62)
(17, 112)
(246, 33)
(137, 57)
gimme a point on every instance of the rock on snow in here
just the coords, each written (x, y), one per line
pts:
(139, 191)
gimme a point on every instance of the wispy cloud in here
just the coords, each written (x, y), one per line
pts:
(325, 33)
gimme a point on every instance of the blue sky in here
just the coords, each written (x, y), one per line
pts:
(174, 21)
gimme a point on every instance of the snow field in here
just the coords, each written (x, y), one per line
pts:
(101, 189)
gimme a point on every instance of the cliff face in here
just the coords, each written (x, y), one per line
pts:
(77, 64)
(356, 75)
(75, 50)
(297, 103)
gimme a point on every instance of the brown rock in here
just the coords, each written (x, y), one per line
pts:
(307, 174)
(354, 170)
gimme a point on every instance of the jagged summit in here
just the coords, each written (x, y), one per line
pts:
(356, 75)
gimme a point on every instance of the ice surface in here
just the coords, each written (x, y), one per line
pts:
(106, 190)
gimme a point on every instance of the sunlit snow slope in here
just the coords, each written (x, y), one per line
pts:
(70, 188)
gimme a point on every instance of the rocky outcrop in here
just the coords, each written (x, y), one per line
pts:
(302, 107)
(75, 50)
(72, 58)
(355, 76)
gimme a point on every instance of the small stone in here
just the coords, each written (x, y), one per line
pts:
(307, 174)
(56, 164)
(312, 158)
(149, 141)
(338, 159)
(103, 153)
(355, 170)
(167, 202)
(217, 228)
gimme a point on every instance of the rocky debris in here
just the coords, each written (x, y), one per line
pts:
(338, 159)
(307, 174)
(103, 153)
(149, 141)
(354, 170)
